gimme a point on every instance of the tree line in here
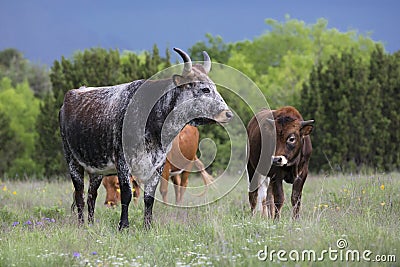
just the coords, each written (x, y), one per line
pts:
(343, 80)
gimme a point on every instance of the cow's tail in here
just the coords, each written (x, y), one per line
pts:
(207, 178)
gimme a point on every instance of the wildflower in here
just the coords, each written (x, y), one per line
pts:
(94, 253)
(15, 223)
(363, 191)
(325, 205)
(4, 188)
(28, 222)
(76, 254)
(382, 187)
(119, 190)
(14, 193)
(383, 203)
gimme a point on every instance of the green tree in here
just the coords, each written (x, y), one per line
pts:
(353, 103)
(49, 154)
(10, 147)
(14, 66)
(22, 108)
(216, 48)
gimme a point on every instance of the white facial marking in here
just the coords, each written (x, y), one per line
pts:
(283, 160)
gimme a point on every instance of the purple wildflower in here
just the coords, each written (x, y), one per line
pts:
(52, 220)
(28, 222)
(94, 253)
(77, 254)
(15, 223)
(39, 223)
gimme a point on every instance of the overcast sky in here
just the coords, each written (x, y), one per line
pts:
(45, 30)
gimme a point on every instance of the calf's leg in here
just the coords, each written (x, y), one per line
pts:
(296, 194)
(183, 185)
(279, 197)
(164, 181)
(253, 195)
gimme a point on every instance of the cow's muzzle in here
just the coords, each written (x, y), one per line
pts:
(224, 116)
(279, 161)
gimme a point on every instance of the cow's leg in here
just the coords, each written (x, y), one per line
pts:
(164, 181)
(254, 194)
(94, 183)
(125, 191)
(183, 185)
(149, 192)
(279, 196)
(77, 172)
(297, 190)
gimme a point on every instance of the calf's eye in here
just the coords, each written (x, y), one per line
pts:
(205, 90)
(291, 139)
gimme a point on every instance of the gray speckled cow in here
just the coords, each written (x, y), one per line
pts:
(92, 122)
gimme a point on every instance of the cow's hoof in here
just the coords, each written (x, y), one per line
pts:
(122, 226)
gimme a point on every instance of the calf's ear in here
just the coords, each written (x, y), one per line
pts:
(306, 127)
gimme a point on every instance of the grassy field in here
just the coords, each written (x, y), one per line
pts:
(363, 211)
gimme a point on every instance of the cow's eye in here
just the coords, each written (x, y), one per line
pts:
(205, 90)
(188, 86)
(291, 139)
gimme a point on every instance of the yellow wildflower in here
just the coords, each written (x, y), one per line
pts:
(14, 192)
(382, 187)
(5, 188)
(383, 203)
(363, 191)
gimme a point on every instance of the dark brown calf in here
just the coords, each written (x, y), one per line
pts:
(289, 162)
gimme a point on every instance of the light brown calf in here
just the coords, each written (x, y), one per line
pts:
(113, 195)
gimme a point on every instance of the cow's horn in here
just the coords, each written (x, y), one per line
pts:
(207, 62)
(305, 123)
(186, 59)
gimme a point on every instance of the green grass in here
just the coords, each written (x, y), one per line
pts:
(362, 209)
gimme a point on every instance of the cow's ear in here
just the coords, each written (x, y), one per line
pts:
(178, 79)
(306, 127)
